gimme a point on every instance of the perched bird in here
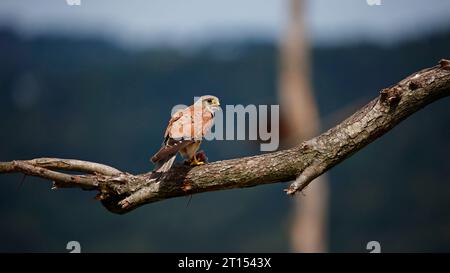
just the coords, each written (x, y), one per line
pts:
(185, 132)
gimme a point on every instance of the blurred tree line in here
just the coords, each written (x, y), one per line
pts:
(87, 98)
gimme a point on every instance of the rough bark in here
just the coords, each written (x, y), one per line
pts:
(121, 192)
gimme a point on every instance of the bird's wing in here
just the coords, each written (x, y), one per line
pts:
(173, 137)
(169, 149)
(176, 116)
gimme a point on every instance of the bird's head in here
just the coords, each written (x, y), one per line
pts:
(210, 103)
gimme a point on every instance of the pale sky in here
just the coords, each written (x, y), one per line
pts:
(181, 22)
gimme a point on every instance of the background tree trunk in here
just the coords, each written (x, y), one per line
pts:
(300, 121)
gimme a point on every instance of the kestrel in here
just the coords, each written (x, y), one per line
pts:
(185, 132)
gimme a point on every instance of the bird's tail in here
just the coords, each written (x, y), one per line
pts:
(165, 157)
(164, 165)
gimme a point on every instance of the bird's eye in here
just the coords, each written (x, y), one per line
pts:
(209, 100)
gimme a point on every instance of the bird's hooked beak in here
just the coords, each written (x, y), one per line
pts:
(216, 102)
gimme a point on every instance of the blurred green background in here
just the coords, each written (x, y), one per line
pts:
(85, 97)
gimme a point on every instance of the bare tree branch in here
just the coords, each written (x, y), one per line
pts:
(63, 164)
(121, 192)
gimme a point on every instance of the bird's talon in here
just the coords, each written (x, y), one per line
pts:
(196, 163)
